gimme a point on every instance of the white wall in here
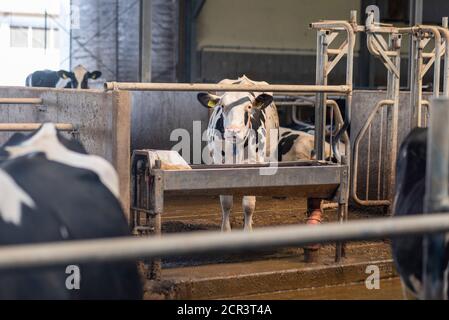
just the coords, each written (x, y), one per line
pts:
(17, 63)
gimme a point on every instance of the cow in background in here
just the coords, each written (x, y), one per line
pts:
(53, 191)
(76, 79)
(409, 200)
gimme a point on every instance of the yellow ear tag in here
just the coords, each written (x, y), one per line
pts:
(211, 104)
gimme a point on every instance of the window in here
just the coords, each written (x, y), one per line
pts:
(56, 36)
(39, 38)
(19, 37)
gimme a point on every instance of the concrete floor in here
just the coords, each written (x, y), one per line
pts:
(270, 273)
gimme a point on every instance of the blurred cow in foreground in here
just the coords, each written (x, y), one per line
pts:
(409, 200)
(53, 191)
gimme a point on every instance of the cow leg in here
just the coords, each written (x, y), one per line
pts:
(249, 206)
(226, 207)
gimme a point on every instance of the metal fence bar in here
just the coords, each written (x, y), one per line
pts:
(344, 89)
(36, 101)
(38, 255)
(18, 127)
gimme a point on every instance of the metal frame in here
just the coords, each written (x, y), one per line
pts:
(150, 184)
(389, 54)
(421, 37)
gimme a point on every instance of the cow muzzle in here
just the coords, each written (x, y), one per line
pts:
(237, 134)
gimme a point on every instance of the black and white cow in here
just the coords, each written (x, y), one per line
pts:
(53, 191)
(76, 79)
(244, 128)
(409, 200)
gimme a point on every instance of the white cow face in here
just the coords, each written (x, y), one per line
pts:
(79, 77)
(238, 110)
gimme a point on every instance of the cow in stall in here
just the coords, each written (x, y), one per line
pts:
(78, 78)
(245, 121)
(52, 190)
(409, 200)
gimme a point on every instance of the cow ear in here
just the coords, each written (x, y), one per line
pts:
(208, 100)
(64, 74)
(95, 75)
(263, 101)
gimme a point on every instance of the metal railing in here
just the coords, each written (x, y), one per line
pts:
(31, 101)
(22, 127)
(25, 127)
(213, 242)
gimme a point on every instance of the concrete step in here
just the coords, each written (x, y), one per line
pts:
(281, 274)
(390, 289)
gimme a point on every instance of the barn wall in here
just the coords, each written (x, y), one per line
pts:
(103, 120)
(266, 40)
(155, 115)
(271, 24)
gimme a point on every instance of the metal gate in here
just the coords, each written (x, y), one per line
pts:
(382, 126)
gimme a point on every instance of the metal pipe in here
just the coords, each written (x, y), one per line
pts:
(445, 34)
(19, 127)
(38, 255)
(393, 118)
(224, 87)
(320, 105)
(350, 32)
(37, 101)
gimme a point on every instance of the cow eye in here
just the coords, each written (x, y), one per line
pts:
(249, 107)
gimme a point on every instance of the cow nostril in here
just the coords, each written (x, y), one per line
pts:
(233, 130)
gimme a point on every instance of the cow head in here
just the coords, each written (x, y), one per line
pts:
(79, 77)
(239, 110)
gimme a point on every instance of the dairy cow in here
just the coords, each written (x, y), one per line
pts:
(243, 127)
(78, 78)
(52, 190)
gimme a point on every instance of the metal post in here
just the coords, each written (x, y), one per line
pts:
(445, 35)
(145, 40)
(436, 197)
(157, 208)
(416, 13)
(416, 81)
(321, 98)
(393, 116)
